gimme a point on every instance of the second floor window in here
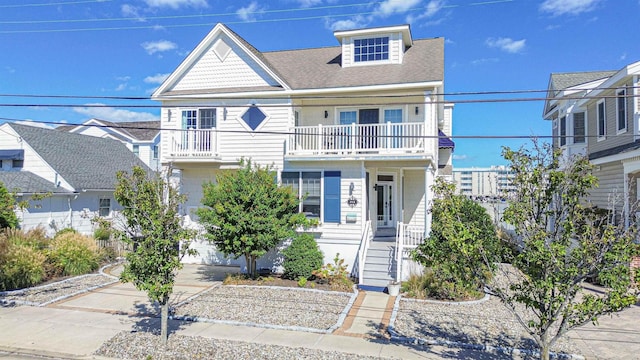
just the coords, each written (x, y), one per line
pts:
(621, 109)
(105, 207)
(578, 128)
(155, 151)
(373, 49)
(136, 149)
(601, 118)
(563, 131)
(199, 119)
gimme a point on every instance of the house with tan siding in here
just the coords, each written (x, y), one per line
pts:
(358, 129)
(598, 114)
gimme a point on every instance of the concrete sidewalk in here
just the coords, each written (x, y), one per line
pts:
(76, 327)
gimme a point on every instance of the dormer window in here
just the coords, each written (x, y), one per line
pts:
(372, 49)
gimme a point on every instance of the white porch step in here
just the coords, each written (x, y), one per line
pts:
(380, 264)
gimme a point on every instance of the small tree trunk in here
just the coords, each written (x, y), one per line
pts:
(251, 265)
(164, 320)
(544, 352)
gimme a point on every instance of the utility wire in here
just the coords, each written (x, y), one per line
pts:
(4, 6)
(129, 126)
(459, 93)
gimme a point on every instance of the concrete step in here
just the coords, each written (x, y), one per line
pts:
(379, 267)
(376, 282)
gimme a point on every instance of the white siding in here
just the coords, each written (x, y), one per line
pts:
(237, 70)
(414, 199)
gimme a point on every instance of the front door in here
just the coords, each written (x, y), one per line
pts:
(385, 205)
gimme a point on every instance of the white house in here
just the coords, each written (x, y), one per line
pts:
(77, 174)
(141, 137)
(359, 128)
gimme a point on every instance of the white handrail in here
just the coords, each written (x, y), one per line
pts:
(407, 237)
(399, 249)
(362, 250)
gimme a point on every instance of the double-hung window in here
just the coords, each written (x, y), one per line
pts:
(316, 198)
(579, 128)
(563, 131)
(104, 208)
(601, 118)
(621, 109)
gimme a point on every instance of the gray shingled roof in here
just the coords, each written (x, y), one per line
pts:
(561, 81)
(139, 130)
(86, 162)
(28, 183)
(321, 67)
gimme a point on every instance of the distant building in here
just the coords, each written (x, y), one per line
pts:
(485, 183)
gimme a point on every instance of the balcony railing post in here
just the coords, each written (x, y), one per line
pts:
(388, 136)
(354, 138)
(319, 138)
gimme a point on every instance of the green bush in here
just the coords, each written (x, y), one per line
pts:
(34, 238)
(302, 257)
(65, 231)
(74, 254)
(20, 265)
(335, 275)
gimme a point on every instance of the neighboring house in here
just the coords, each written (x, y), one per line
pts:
(141, 137)
(598, 114)
(484, 183)
(77, 174)
(358, 129)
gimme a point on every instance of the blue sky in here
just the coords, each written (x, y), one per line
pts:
(102, 48)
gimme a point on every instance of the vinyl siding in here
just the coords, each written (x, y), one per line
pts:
(612, 138)
(414, 199)
(237, 70)
(610, 185)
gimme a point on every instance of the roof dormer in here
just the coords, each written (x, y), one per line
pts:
(374, 46)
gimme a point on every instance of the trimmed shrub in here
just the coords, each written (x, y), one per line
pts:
(302, 257)
(20, 266)
(74, 254)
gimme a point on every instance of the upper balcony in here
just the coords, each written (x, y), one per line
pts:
(361, 140)
(192, 145)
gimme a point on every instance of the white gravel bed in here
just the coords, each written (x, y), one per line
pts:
(144, 345)
(286, 307)
(480, 323)
(46, 294)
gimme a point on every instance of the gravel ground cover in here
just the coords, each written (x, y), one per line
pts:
(484, 323)
(287, 307)
(45, 294)
(144, 345)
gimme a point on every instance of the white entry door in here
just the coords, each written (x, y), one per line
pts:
(385, 205)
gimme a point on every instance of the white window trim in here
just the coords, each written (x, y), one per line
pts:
(604, 104)
(197, 110)
(100, 207)
(624, 94)
(246, 126)
(352, 46)
(300, 194)
(401, 108)
(566, 142)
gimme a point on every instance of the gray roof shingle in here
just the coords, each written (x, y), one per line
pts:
(561, 81)
(86, 162)
(28, 183)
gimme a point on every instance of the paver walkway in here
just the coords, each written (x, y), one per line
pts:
(76, 328)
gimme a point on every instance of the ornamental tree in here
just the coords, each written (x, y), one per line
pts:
(563, 242)
(461, 238)
(8, 218)
(153, 227)
(247, 214)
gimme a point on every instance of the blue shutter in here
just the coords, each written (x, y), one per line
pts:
(332, 196)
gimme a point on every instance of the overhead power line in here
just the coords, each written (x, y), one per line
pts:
(5, 6)
(128, 126)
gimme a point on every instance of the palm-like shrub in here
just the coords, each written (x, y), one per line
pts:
(74, 254)
(20, 265)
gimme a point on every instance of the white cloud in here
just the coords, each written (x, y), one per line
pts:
(484, 61)
(390, 7)
(175, 4)
(152, 47)
(571, 7)
(309, 3)
(156, 79)
(353, 23)
(248, 12)
(460, 157)
(131, 11)
(433, 7)
(34, 123)
(506, 44)
(113, 114)
(623, 56)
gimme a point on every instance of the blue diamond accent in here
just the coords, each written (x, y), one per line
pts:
(254, 117)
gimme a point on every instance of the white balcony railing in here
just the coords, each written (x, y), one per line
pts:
(408, 237)
(193, 143)
(388, 138)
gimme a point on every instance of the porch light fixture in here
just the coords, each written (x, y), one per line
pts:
(417, 110)
(351, 187)
(224, 113)
(326, 114)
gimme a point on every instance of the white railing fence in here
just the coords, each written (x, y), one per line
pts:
(357, 138)
(408, 237)
(367, 236)
(193, 142)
